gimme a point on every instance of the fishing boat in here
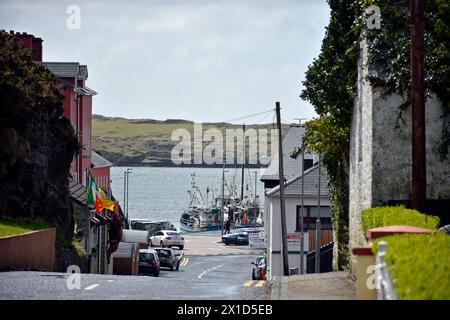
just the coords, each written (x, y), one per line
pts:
(199, 216)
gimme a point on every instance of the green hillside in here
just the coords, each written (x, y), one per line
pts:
(147, 142)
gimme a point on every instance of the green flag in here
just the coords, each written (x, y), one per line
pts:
(91, 188)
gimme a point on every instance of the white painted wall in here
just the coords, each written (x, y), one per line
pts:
(273, 228)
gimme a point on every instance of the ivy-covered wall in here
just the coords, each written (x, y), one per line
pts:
(380, 149)
(332, 80)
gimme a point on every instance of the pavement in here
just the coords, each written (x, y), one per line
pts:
(322, 286)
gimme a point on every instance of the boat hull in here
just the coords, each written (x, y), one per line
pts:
(190, 228)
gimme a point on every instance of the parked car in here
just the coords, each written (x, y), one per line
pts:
(168, 258)
(256, 271)
(167, 238)
(239, 236)
(149, 262)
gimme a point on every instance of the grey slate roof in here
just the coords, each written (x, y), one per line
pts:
(98, 161)
(63, 69)
(77, 191)
(292, 140)
(294, 185)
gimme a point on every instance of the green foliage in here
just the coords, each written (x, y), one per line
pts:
(389, 53)
(27, 91)
(25, 87)
(330, 88)
(419, 265)
(81, 252)
(331, 79)
(11, 227)
(394, 216)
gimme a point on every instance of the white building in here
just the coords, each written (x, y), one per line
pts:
(293, 168)
(293, 213)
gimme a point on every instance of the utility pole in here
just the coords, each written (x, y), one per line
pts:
(419, 177)
(302, 240)
(243, 163)
(317, 262)
(222, 210)
(256, 198)
(284, 247)
(256, 178)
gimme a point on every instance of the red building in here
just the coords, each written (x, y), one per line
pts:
(72, 76)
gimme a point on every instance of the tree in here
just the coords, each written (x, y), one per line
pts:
(37, 143)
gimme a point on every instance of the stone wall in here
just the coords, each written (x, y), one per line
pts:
(380, 150)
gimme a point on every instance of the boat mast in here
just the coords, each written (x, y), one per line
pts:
(243, 164)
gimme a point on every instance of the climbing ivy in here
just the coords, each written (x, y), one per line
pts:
(389, 53)
(330, 88)
(330, 84)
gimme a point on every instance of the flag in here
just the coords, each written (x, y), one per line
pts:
(92, 193)
(107, 203)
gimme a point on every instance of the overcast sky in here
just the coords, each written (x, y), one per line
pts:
(198, 60)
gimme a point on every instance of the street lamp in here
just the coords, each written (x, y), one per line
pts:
(222, 213)
(125, 191)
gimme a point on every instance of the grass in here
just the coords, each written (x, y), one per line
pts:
(390, 216)
(125, 137)
(419, 265)
(11, 227)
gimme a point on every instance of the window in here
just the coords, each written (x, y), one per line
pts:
(308, 163)
(310, 217)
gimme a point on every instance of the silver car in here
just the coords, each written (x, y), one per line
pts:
(167, 238)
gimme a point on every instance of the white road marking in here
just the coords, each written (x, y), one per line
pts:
(110, 280)
(91, 287)
(212, 269)
(184, 262)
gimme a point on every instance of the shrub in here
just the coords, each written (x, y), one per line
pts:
(392, 216)
(419, 265)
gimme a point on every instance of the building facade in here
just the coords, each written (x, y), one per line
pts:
(293, 203)
(381, 152)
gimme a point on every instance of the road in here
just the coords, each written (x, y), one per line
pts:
(208, 277)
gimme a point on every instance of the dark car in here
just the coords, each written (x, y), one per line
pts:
(236, 237)
(149, 262)
(168, 258)
(239, 236)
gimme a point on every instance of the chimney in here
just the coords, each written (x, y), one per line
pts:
(36, 51)
(30, 42)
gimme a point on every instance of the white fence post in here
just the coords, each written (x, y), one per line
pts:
(384, 285)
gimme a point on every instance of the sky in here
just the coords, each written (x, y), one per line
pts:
(200, 60)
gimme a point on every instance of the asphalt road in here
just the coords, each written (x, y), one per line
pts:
(213, 277)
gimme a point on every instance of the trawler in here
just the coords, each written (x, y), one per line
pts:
(199, 216)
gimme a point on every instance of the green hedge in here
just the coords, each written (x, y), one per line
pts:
(393, 216)
(419, 265)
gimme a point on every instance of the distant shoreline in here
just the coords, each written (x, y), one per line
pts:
(167, 165)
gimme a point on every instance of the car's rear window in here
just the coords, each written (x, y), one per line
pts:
(173, 233)
(164, 252)
(146, 256)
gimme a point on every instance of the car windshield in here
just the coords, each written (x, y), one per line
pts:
(173, 233)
